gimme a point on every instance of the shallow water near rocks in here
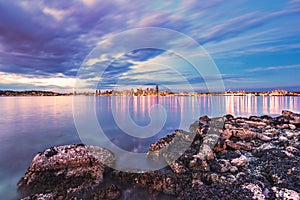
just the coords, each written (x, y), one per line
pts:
(31, 124)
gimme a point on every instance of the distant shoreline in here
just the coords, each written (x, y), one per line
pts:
(7, 93)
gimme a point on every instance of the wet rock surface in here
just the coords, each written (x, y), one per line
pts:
(64, 172)
(246, 158)
(219, 158)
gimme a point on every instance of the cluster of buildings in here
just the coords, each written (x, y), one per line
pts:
(133, 92)
(155, 92)
(270, 93)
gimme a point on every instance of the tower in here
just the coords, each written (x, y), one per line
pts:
(156, 89)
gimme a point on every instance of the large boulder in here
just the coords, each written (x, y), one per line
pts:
(65, 172)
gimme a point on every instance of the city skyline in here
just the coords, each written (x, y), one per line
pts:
(255, 45)
(148, 91)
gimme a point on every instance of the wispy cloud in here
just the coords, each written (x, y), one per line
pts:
(46, 38)
(285, 67)
(57, 80)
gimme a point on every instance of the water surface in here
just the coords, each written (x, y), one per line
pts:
(31, 124)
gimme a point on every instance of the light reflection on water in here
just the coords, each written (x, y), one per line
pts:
(31, 124)
(264, 105)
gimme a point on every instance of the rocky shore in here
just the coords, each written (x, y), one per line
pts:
(226, 158)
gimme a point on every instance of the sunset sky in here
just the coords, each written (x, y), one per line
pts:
(255, 44)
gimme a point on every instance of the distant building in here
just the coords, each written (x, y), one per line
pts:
(156, 89)
(278, 93)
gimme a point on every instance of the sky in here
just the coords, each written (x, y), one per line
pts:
(249, 44)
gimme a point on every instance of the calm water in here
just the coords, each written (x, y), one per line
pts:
(31, 124)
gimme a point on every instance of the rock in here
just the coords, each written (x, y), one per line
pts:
(204, 118)
(266, 146)
(164, 181)
(280, 120)
(257, 191)
(286, 194)
(232, 145)
(214, 177)
(263, 137)
(287, 113)
(271, 132)
(228, 126)
(255, 118)
(194, 127)
(202, 132)
(184, 135)
(221, 165)
(196, 182)
(290, 134)
(233, 169)
(42, 196)
(229, 117)
(241, 161)
(111, 192)
(295, 121)
(171, 146)
(66, 171)
(240, 120)
(288, 153)
(239, 145)
(169, 186)
(245, 146)
(292, 149)
(255, 123)
(160, 146)
(205, 152)
(243, 133)
(178, 167)
(226, 134)
(292, 126)
(198, 164)
(215, 191)
(229, 179)
(292, 117)
(282, 139)
(220, 146)
(283, 126)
